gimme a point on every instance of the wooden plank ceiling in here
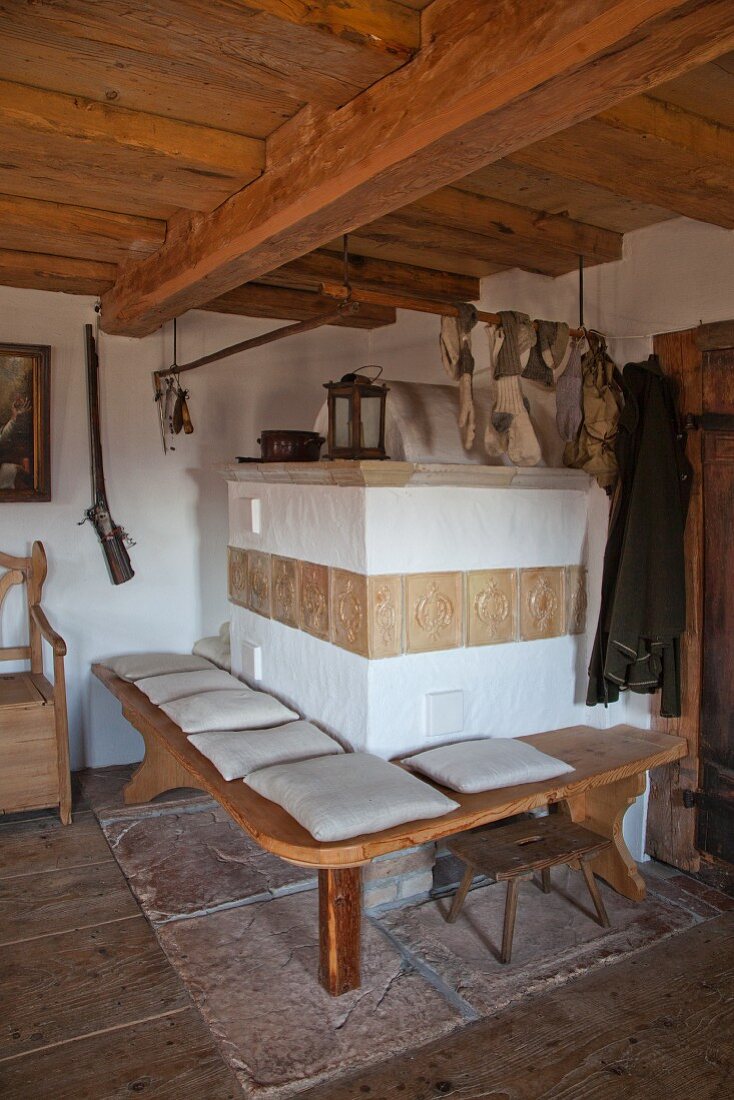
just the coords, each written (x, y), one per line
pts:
(139, 138)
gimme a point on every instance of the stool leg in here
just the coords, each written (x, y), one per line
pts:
(595, 895)
(509, 927)
(546, 880)
(460, 895)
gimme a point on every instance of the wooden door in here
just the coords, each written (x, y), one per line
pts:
(691, 806)
(715, 801)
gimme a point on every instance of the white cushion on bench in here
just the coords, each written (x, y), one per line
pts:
(137, 666)
(236, 753)
(336, 797)
(473, 766)
(216, 649)
(243, 709)
(162, 689)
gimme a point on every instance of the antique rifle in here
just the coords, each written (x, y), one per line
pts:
(114, 539)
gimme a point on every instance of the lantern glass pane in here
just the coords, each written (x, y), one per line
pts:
(371, 406)
(342, 406)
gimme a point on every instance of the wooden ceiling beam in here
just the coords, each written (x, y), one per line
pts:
(489, 81)
(518, 226)
(650, 151)
(285, 304)
(31, 225)
(54, 145)
(395, 241)
(309, 271)
(383, 25)
(35, 271)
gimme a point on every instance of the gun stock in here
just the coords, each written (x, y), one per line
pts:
(113, 539)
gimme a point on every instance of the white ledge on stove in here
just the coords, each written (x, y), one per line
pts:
(372, 474)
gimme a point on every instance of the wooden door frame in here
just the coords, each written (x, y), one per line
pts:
(671, 815)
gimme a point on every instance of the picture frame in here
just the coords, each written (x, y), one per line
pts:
(25, 422)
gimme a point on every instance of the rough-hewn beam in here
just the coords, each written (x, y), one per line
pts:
(489, 81)
(516, 226)
(651, 151)
(310, 271)
(284, 304)
(55, 146)
(79, 231)
(35, 271)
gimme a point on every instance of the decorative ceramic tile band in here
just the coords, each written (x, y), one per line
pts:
(384, 616)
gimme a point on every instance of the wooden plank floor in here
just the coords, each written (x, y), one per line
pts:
(659, 1025)
(89, 1005)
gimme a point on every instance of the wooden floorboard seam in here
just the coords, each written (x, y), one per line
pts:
(54, 870)
(99, 1031)
(72, 928)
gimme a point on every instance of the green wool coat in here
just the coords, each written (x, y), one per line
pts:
(643, 601)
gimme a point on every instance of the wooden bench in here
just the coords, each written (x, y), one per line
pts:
(609, 773)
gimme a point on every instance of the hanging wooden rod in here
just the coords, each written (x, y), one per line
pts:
(405, 301)
(341, 310)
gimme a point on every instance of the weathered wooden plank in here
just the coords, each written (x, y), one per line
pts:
(60, 901)
(707, 91)
(715, 336)
(172, 1056)
(650, 151)
(286, 304)
(35, 271)
(77, 231)
(57, 146)
(308, 272)
(525, 228)
(76, 983)
(487, 82)
(669, 1035)
(387, 242)
(380, 25)
(31, 847)
(671, 828)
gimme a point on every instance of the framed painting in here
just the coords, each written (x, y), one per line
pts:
(25, 422)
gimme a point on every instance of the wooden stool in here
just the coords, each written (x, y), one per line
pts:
(513, 852)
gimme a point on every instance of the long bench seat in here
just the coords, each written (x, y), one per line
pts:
(609, 773)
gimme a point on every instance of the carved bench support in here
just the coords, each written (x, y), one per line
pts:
(158, 772)
(340, 929)
(602, 810)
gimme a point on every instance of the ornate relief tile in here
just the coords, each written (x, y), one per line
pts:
(349, 610)
(491, 606)
(385, 616)
(314, 599)
(284, 576)
(576, 599)
(433, 610)
(541, 603)
(258, 574)
(237, 575)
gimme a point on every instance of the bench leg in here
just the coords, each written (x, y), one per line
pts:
(596, 897)
(602, 810)
(340, 929)
(158, 772)
(545, 878)
(460, 895)
(508, 930)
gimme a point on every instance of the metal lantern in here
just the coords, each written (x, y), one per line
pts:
(357, 416)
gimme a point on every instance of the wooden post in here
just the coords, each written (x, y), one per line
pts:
(340, 928)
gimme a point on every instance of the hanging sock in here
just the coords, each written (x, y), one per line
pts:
(549, 354)
(495, 442)
(511, 418)
(458, 362)
(569, 388)
(519, 337)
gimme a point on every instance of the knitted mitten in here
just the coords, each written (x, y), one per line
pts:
(511, 416)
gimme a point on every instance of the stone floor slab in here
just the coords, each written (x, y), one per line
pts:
(194, 860)
(556, 937)
(253, 973)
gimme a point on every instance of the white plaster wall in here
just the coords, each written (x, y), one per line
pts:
(174, 506)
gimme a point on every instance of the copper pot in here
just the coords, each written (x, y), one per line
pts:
(281, 445)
